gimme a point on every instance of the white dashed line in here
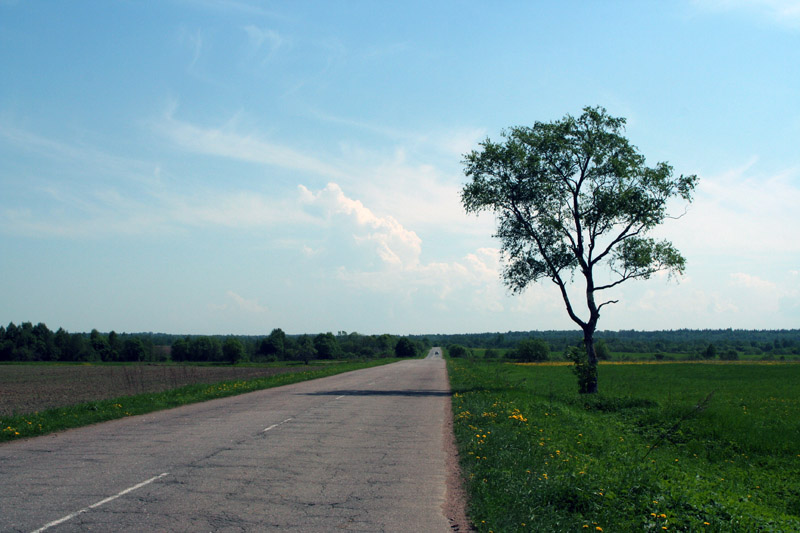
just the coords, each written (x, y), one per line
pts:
(101, 502)
(273, 426)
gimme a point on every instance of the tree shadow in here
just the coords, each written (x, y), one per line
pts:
(369, 392)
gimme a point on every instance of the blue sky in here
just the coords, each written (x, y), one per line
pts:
(228, 166)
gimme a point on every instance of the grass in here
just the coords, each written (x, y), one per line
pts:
(71, 416)
(676, 446)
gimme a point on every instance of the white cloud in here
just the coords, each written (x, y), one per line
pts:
(741, 212)
(260, 36)
(782, 12)
(227, 142)
(395, 245)
(250, 306)
(748, 281)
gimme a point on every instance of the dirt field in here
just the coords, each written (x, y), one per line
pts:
(30, 388)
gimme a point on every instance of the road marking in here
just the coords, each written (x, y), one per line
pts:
(101, 502)
(273, 426)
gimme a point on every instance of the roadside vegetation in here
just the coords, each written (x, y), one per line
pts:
(30, 423)
(692, 446)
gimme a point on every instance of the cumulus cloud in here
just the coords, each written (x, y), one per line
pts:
(400, 270)
(741, 279)
(395, 245)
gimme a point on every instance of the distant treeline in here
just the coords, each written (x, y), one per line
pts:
(27, 342)
(682, 342)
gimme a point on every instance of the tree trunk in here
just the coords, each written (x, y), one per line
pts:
(590, 383)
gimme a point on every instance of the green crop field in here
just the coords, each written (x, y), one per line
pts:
(664, 447)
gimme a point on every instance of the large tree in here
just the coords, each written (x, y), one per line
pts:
(575, 195)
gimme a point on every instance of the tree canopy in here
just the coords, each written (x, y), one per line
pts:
(571, 196)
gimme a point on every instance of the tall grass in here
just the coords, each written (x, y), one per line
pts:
(689, 447)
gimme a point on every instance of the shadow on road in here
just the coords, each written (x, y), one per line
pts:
(368, 392)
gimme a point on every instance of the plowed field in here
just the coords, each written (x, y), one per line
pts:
(31, 388)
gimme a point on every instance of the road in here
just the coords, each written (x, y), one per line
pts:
(361, 451)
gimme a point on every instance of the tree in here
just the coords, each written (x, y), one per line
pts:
(232, 350)
(273, 345)
(405, 347)
(305, 350)
(710, 352)
(180, 349)
(532, 350)
(575, 195)
(326, 346)
(133, 349)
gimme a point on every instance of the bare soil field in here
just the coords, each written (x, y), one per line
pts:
(31, 388)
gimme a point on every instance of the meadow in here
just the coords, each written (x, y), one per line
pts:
(665, 446)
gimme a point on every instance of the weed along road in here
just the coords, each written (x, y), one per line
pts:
(361, 451)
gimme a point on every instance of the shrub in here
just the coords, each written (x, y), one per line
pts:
(532, 350)
(456, 350)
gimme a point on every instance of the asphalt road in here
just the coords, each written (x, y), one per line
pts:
(361, 451)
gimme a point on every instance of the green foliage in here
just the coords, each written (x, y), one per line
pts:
(405, 347)
(327, 346)
(233, 351)
(532, 350)
(456, 350)
(132, 350)
(274, 344)
(652, 451)
(586, 372)
(575, 195)
(602, 350)
(710, 352)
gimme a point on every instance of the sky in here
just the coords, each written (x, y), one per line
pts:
(233, 166)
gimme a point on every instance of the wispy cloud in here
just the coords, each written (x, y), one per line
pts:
(229, 6)
(782, 12)
(264, 41)
(251, 306)
(227, 142)
(743, 212)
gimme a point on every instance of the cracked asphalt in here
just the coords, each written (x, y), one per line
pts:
(361, 451)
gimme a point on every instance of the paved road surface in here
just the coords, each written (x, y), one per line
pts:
(361, 451)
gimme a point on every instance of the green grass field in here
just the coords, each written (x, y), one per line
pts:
(674, 446)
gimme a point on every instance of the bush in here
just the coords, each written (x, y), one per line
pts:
(601, 350)
(532, 350)
(456, 350)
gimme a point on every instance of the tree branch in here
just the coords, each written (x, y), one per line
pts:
(606, 303)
